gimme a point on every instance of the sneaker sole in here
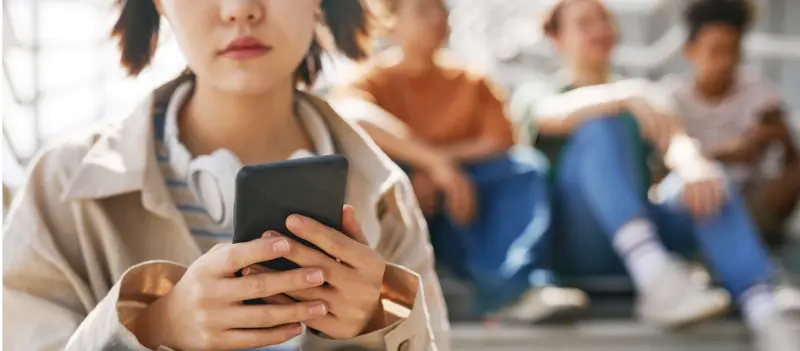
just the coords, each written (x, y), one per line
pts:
(564, 316)
(561, 317)
(698, 319)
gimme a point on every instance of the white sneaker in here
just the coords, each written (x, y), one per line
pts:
(777, 335)
(676, 300)
(545, 303)
(787, 299)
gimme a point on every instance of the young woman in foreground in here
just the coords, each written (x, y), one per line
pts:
(97, 244)
(601, 187)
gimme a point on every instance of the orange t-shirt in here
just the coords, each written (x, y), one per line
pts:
(443, 106)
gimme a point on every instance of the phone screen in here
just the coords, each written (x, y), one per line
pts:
(267, 194)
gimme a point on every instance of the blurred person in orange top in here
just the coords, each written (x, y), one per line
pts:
(487, 202)
(121, 237)
(737, 117)
(604, 206)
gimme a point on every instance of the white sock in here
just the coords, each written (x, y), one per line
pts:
(758, 305)
(644, 255)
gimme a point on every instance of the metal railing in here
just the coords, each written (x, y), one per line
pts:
(505, 29)
(7, 42)
(484, 24)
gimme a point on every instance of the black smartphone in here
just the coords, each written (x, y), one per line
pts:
(267, 194)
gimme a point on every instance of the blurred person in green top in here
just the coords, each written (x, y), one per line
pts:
(597, 129)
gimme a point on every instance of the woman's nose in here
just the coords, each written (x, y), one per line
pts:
(241, 11)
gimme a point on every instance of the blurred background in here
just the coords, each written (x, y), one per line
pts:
(60, 74)
(60, 71)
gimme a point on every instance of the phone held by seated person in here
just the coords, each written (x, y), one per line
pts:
(267, 194)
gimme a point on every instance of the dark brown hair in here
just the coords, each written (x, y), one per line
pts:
(552, 20)
(137, 29)
(737, 14)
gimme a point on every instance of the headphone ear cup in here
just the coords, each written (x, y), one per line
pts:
(212, 180)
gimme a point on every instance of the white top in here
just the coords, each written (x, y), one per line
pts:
(174, 159)
(713, 124)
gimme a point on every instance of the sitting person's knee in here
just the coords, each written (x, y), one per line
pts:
(529, 156)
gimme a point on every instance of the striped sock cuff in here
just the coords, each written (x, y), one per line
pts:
(634, 235)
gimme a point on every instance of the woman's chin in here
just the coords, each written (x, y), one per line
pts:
(249, 85)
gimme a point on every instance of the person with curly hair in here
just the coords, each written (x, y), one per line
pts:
(738, 118)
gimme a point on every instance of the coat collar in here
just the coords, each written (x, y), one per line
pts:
(123, 159)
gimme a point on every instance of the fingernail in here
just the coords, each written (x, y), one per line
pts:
(318, 310)
(296, 220)
(268, 234)
(315, 277)
(295, 329)
(281, 246)
(256, 269)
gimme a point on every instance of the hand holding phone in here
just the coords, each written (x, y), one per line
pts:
(354, 277)
(202, 311)
(302, 202)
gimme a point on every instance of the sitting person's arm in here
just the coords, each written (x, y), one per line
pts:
(397, 141)
(652, 107)
(359, 102)
(777, 127)
(743, 149)
(775, 198)
(750, 147)
(560, 114)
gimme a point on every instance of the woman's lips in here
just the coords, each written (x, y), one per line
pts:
(244, 48)
(246, 53)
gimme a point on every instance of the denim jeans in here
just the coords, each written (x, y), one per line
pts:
(598, 190)
(505, 250)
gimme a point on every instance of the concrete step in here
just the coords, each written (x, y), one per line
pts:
(599, 335)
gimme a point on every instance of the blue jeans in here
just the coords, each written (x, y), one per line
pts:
(598, 191)
(505, 251)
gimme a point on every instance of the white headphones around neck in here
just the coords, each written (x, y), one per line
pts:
(212, 178)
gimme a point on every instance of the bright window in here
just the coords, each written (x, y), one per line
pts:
(79, 80)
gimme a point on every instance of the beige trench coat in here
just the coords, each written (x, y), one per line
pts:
(94, 236)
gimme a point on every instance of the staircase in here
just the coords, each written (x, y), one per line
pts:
(602, 335)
